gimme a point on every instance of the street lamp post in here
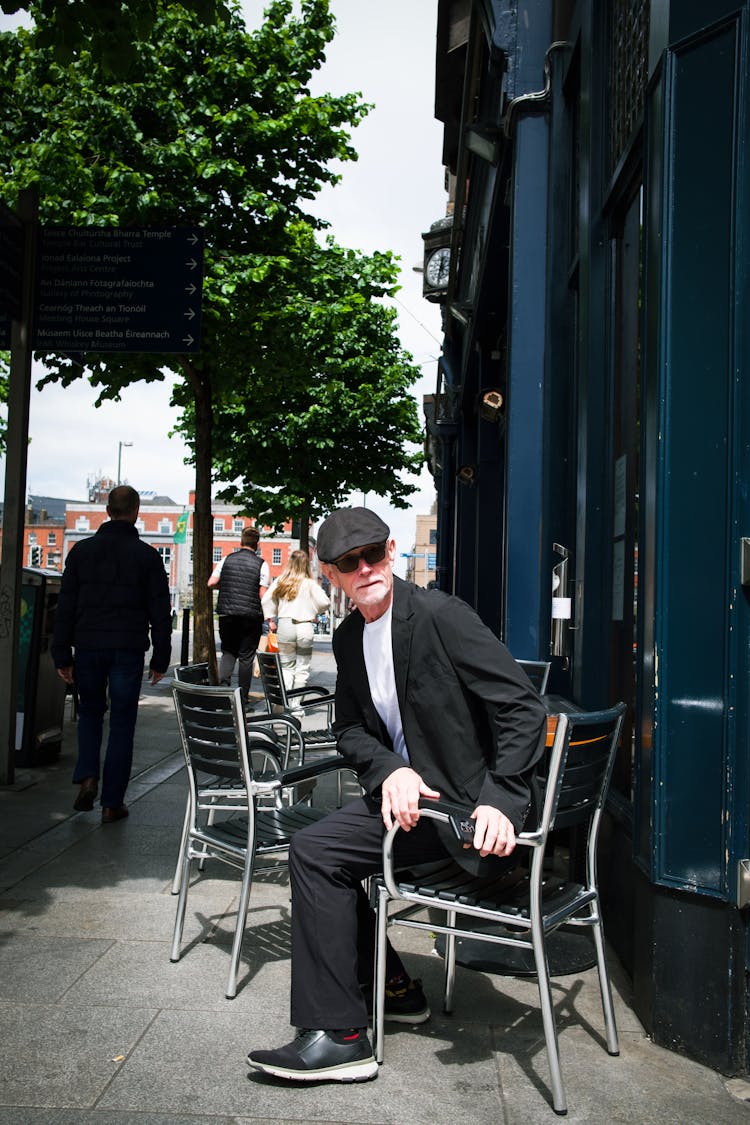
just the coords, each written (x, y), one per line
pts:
(120, 444)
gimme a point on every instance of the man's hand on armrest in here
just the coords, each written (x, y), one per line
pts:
(400, 793)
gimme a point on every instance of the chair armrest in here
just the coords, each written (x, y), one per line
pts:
(463, 812)
(313, 769)
(323, 694)
(265, 725)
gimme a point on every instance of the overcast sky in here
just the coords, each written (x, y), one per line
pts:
(385, 200)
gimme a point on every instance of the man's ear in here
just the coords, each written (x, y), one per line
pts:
(331, 573)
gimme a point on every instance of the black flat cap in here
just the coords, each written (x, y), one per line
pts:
(347, 529)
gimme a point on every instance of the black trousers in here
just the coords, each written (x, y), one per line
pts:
(333, 925)
(239, 639)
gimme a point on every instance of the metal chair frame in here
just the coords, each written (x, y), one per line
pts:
(281, 700)
(270, 746)
(538, 672)
(578, 774)
(216, 744)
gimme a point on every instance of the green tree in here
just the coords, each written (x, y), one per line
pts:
(323, 408)
(108, 28)
(215, 127)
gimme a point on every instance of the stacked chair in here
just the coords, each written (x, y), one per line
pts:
(235, 814)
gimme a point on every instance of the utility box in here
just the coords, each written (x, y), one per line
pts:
(40, 706)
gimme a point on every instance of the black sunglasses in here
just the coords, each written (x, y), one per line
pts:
(349, 563)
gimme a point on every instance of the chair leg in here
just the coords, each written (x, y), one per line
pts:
(450, 964)
(179, 921)
(613, 1046)
(209, 821)
(378, 995)
(559, 1102)
(239, 930)
(181, 852)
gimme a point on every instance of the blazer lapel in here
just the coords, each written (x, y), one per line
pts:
(401, 634)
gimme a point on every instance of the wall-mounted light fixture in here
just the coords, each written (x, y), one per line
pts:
(467, 474)
(491, 405)
(484, 141)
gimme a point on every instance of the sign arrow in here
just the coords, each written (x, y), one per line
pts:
(191, 264)
(189, 314)
(190, 289)
(193, 238)
(188, 340)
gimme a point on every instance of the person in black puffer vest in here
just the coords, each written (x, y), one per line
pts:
(114, 587)
(242, 579)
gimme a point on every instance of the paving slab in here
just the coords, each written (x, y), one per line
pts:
(60, 1056)
(97, 1025)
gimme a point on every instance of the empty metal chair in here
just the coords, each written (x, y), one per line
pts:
(270, 747)
(537, 671)
(281, 700)
(578, 774)
(216, 744)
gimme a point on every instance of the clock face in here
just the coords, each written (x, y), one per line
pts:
(437, 268)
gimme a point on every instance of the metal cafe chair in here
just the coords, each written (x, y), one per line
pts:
(216, 744)
(283, 700)
(270, 747)
(538, 672)
(464, 906)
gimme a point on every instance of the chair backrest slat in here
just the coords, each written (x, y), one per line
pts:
(581, 765)
(273, 679)
(193, 674)
(211, 722)
(537, 671)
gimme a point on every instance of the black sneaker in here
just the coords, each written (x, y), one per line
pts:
(320, 1056)
(404, 1004)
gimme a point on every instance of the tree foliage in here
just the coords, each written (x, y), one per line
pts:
(214, 127)
(322, 408)
(108, 28)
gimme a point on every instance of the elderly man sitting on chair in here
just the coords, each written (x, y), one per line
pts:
(429, 703)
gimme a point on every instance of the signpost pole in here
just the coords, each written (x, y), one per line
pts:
(14, 510)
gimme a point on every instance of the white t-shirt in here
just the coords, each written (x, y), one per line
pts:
(378, 652)
(265, 574)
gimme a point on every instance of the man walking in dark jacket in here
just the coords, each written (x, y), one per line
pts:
(114, 588)
(242, 579)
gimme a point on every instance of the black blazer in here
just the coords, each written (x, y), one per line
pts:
(474, 726)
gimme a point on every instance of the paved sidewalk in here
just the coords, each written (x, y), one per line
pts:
(98, 1026)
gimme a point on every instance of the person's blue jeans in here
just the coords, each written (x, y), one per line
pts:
(121, 672)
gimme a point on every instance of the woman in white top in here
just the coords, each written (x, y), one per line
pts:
(295, 599)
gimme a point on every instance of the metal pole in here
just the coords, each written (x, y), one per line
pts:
(120, 444)
(185, 650)
(14, 511)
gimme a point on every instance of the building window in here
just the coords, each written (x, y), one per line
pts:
(166, 557)
(32, 537)
(431, 560)
(165, 527)
(217, 555)
(51, 539)
(35, 556)
(433, 536)
(237, 525)
(276, 556)
(140, 526)
(82, 523)
(218, 525)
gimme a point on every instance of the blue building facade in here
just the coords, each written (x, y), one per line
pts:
(590, 437)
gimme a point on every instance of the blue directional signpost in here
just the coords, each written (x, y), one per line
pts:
(11, 264)
(118, 289)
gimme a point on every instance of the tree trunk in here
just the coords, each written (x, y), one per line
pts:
(204, 646)
(304, 527)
